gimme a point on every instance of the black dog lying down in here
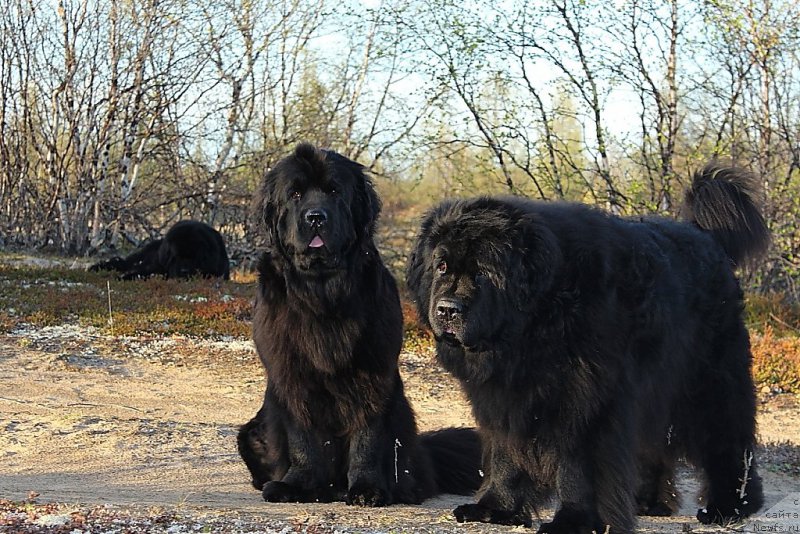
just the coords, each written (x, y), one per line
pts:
(190, 248)
(335, 423)
(590, 344)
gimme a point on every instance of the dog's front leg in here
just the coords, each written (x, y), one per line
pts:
(308, 478)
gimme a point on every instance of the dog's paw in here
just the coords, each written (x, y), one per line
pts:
(477, 513)
(563, 527)
(560, 527)
(363, 495)
(276, 491)
(409, 495)
(730, 512)
(711, 515)
(572, 521)
(472, 513)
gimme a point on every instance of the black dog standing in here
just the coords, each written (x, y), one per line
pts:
(590, 344)
(335, 423)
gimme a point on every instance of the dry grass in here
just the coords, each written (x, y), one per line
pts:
(199, 307)
(417, 338)
(773, 311)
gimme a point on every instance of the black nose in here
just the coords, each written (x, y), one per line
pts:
(316, 217)
(449, 308)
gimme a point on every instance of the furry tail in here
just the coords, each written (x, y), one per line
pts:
(456, 457)
(723, 201)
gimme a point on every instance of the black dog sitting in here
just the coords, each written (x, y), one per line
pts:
(190, 248)
(336, 423)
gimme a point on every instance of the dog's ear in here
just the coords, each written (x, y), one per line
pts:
(367, 204)
(263, 206)
(419, 276)
(536, 259)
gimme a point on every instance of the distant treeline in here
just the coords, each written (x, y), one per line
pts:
(120, 117)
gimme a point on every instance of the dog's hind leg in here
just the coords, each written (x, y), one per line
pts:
(657, 494)
(262, 446)
(596, 480)
(723, 427)
(254, 450)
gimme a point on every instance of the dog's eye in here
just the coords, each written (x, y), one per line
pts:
(333, 191)
(441, 267)
(295, 195)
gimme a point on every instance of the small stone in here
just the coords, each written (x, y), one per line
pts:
(52, 520)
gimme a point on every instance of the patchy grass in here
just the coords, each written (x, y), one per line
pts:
(52, 296)
(48, 296)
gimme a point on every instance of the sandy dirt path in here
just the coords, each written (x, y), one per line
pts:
(142, 421)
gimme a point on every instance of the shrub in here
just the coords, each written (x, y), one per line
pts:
(776, 361)
(417, 337)
(772, 310)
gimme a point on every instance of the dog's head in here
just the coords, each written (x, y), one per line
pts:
(477, 268)
(317, 208)
(188, 249)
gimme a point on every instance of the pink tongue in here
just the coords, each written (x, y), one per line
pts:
(316, 242)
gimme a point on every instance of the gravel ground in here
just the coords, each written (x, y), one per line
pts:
(112, 434)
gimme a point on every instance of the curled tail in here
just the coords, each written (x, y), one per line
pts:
(456, 457)
(723, 201)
